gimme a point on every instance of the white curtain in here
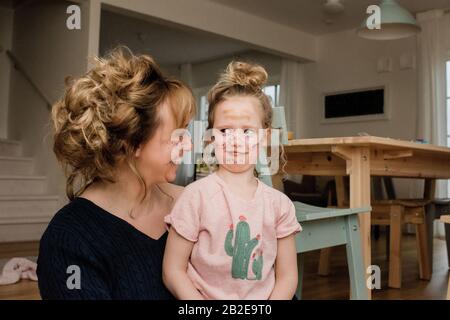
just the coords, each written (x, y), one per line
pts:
(431, 120)
(292, 95)
(431, 123)
(185, 173)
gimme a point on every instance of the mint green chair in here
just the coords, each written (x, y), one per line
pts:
(324, 227)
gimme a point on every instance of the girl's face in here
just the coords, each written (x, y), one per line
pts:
(154, 159)
(237, 121)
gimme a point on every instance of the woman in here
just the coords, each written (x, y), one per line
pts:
(112, 132)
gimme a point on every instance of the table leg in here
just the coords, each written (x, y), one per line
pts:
(395, 247)
(425, 266)
(325, 254)
(448, 290)
(429, 193)
(324, 262)
(301, 272)
(358, 167)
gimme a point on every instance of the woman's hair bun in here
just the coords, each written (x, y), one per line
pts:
(248, 75)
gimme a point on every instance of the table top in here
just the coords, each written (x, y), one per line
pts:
(317, 144)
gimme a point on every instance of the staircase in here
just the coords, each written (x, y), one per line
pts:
(25, 208)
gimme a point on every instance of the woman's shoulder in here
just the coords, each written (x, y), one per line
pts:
(76, 220)
(67, 214)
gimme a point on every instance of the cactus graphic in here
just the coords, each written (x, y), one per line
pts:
(242, 248)
(257, 266)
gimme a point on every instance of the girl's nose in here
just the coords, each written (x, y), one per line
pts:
(235, 137)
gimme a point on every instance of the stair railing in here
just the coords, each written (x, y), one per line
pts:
(19, 67)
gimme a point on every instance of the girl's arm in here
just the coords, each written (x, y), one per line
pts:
(286, 276)
(175, 263)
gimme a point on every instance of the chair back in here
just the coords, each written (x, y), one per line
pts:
(377, 188)
(278, 122)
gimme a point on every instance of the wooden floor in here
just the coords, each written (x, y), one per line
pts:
(25, 289)
(334, 286)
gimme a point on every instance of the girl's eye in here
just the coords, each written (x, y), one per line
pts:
(226, 131)
(249, 132)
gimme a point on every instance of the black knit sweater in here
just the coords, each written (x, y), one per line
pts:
(115, 260)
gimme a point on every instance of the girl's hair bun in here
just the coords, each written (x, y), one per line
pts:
(250, 76)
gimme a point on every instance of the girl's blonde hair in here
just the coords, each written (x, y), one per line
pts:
(106, 114)
(240, 79)
(243, 79)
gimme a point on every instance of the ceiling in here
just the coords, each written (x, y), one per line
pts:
(307, 15)
(169, 45)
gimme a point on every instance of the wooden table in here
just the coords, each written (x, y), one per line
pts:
(362, 157)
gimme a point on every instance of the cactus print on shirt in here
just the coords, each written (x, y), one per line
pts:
(239, 246)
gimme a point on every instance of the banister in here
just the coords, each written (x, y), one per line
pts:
(19, 67)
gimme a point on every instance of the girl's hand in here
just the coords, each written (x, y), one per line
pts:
(286, 273)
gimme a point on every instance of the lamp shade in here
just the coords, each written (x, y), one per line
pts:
(396, 23)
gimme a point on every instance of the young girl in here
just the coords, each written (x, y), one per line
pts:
(232, 236)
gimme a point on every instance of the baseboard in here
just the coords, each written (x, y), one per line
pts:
(23, 232)
(19, 249)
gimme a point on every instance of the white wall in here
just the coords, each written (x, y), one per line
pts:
(6, 33)
(348, 62)
(49, 52)
(207, 73)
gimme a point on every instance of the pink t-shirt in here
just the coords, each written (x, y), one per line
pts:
(235, 239)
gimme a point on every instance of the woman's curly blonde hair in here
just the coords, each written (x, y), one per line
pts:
(106, 114)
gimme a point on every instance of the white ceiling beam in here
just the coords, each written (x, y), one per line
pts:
(228, 22)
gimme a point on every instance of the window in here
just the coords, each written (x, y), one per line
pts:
(203, 108)
(448, 112)
(448, 103)
(273, 92)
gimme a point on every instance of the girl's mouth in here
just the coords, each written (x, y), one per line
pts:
(237, 153)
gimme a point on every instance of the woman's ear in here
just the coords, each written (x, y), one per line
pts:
(138, 151)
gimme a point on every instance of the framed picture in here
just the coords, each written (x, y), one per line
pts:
(366, 104)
